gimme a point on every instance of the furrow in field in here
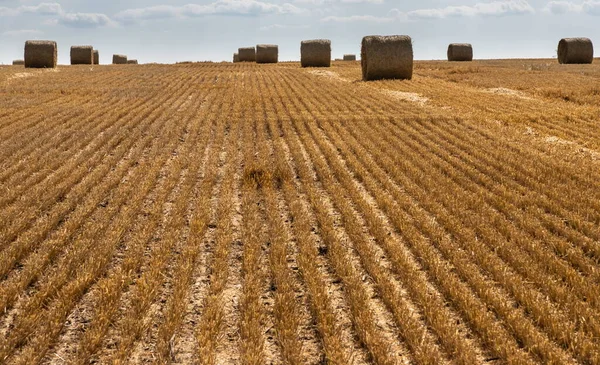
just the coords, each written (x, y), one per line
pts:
(328, 306)
(104, 298)
(543, 263)
(443, 216)
(157, 343)
(490, 330)
(373, 325)
(74, 221)
(216, 328)
(135, 298)
(110, 141)
(294, 333)
(74, 288)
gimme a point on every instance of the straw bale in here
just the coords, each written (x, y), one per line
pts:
(119, 59)
(267, 53)
(82, 55)
(247, 54)
(315, 53)
(41, 54)
(460, 52)
(387, 57)
(575, 50)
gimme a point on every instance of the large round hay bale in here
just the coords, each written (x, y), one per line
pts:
(575, 50)
(267, 53)
(315, 53)
(349, 57)
(41, 54)
(96, 57)
(132, 62)
(460, 52)
(18, 62)
(387, 57)
(82, 55)
(236, 57)
(119, 59)
(247, 54)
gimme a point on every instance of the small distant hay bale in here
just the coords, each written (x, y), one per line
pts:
(236, 57)
(132, 62)
(96, 57)
(18, 62)
(119, 59)
(575, 50)
(247, 54)
(460, 52)
(315, 53)
(82, 55)
(387, 57)
(41, 54)
(267, 53)
(349, 57)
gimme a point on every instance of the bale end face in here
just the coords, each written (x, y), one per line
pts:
(387, 57)
(247, 54)
(236, 58)
(575, 51)
(119, 59)
(82, 55)
(41, 54)
(315, 53)
(267, 53)
(96, 57)
(349, 57)
(462, 52)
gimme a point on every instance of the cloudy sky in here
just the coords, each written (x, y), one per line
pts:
(182, 30)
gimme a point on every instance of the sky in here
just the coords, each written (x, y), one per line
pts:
(212, 30)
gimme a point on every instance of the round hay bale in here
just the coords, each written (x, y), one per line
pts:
(82, 55)
(387, 57)
(18, 63)
(41, 54)
(315, 53)
(119, 59)
(267, 53)
(575, 50)
(349, 57)
(132, 62)
(460, 52)
(236, 57)
(247, 54)
(96, 57)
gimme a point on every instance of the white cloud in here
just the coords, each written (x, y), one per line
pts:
(282, 26)
(21, 32)
(321, 2)
(219, 7)
(590, 7)
(358, 18)
(59, 16)
(41, 9)
(84, 20)
(494, 8)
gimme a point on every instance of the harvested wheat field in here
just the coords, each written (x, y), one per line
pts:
(270, 214)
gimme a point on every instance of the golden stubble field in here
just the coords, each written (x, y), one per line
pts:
(268, 214)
